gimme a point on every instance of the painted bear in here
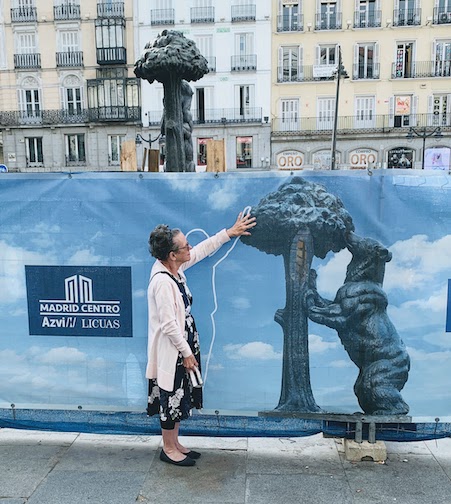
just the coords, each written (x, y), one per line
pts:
(359, 315)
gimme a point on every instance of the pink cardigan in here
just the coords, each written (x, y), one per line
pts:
(166, 327)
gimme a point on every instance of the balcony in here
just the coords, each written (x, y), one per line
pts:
(24, 15)
(290, 23)
(69, 59)
(162, 17)
(367, 19)
(119, 113)
(111, 56)
(350, 125)
(244, 63)
(422, 69)
(441, 16)
(217, 116)
(110, 10)
(299, 74)
(27, 61)
(43, 117)
(243, 13)
(328, 21)
(202, 14)
(66, 11)
(360, 72)
(407, 17)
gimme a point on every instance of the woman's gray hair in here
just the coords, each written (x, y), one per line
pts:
(161, 241)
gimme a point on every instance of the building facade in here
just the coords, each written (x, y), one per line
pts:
(394, 106)
(68, 95)
(232, 102)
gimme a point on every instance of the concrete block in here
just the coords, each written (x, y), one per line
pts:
(355, 452)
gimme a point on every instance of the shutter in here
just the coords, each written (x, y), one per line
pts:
(391, 112)
(414, 110)
(448, 109)
(355, 74)
(430, 116)
(301, 63)
(317, 55)
(280, 65)
(376, 69)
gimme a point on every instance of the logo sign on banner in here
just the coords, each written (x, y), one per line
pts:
(437, 158)
(448, 311)
(290, 160)
(79, 301)
(323, 71)
(400, 158)
(362, 158)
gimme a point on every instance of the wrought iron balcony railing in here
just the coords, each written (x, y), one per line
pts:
(217, 116)
(291, 23)
(110, 10)
(367, 19)
(442, 16)
(244, 63)
(162, 16)
(328, 21)
(361, 123)
(360, 72)
(69, 59)
(70, 116)
(27, 61)
(407, 17)
(202, 14)
(24, 14)
(111, 55)
(243, 13)
(75, 161)
(422, 69)
(303, 73)
(66, 11)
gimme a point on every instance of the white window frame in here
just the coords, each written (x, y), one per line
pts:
(33, 149)
(289, 114)
(325, 106)
(295, 72)
(365, 117)
(114, 149)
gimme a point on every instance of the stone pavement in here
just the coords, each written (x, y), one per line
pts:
(38, 467)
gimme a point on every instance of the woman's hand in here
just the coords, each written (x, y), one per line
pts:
(242, 225)
(190, 363)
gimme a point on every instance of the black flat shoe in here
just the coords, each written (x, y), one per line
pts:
(186, 462)
(193, 454)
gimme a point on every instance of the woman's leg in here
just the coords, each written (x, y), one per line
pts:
(170, 443)
(180, 447)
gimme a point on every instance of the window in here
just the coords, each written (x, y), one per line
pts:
(364, 112)
(203, 104)
(72, 95)
(202, 151)
(326, 113)
(404, 67)
(289, 16)
(328, 17)
(75, 149)
(406, 13)
(245, 101)
(289, 115)
(367, 15)
(244, 152)
(328, 55)
(365, 66)
(30, 101)
(403, 111)
(26, 43)
(439, 110)
(34, 153)
(114, 149)
(443, 58)
(205, 46)
(290, 64)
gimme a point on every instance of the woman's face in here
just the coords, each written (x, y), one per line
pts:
(182, 248)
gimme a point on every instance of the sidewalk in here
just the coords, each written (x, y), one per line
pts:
(71, 468)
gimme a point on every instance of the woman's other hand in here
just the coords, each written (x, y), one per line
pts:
(190, 362)
(242, 226)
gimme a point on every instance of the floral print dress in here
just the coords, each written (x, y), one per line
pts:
(177, 405)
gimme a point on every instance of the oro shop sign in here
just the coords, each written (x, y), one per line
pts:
(362, 158)
(290, 160)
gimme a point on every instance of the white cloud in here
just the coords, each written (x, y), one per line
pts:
(341, 364)
(139, 293)
(332, 275)
(12, 270)
(255, 350)
(215, 367)
(180, 183)
(318, 345)
(86, 257)
(240, 303)
(62, 355)
(225, 196)
(421, 355)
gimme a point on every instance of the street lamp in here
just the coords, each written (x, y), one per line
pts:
(139, 139)
(423, 133)
(340, 72)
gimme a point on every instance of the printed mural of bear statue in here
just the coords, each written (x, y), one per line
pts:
(359, 315)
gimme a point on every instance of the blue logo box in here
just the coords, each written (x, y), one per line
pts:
(79, 301)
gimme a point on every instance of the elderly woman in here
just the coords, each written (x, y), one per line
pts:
(173, 346)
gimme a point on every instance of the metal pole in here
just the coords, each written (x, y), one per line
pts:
(424, 147)
(337, 96)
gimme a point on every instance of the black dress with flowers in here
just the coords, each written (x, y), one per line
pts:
(177, 405)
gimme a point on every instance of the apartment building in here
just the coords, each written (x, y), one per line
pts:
(231, 102)
(394, 106)
(68, 95)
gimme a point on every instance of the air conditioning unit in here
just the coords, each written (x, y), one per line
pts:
(445, 17)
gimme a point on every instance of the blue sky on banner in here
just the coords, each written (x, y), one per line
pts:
(104, 220)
